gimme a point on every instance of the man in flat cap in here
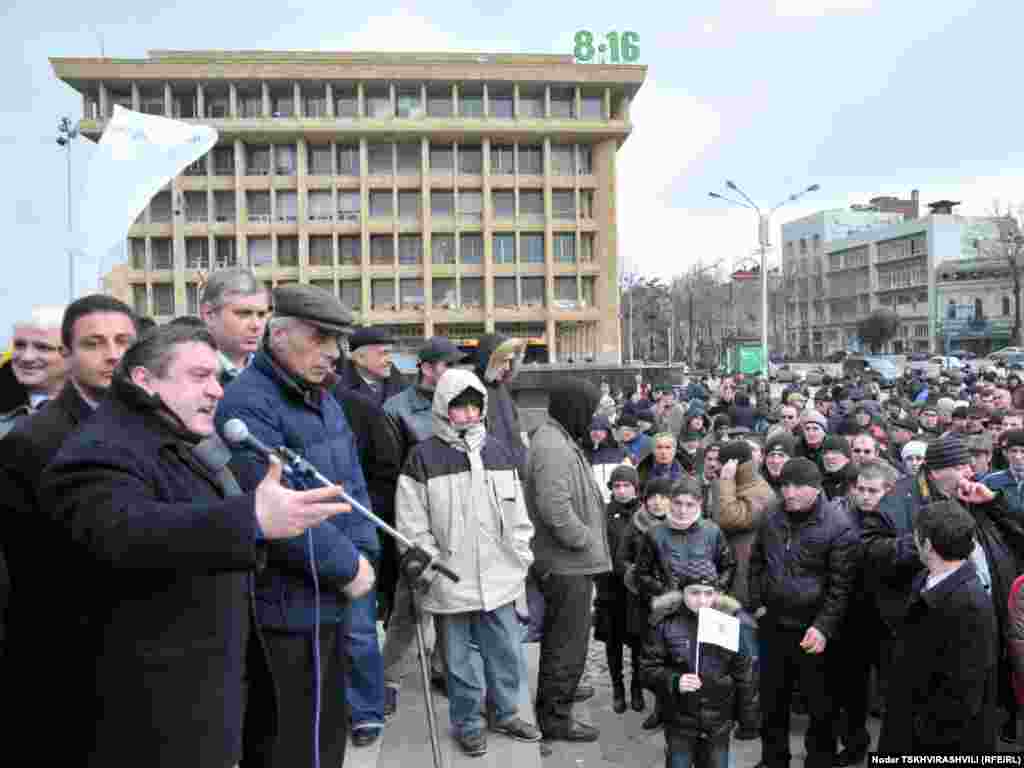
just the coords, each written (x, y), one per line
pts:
(368, 369)
(285, 399)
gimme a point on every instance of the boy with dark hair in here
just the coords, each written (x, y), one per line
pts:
(701, 693)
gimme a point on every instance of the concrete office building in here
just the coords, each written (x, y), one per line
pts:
(435, 193)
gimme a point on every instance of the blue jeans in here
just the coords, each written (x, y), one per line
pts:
(365, 691)
(683, 751)
(497, 634)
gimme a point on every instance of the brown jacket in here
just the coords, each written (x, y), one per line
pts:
(741, 506)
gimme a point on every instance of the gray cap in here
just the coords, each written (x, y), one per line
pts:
(313, 305)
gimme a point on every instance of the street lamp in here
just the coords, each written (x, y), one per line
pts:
(66, 133)
(763, 230)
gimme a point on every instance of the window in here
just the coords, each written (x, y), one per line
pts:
(531, 102)
(346, 101)
(532, 248)
(349, 207)
(500, 102)
(409, 206)
(380, 159)
(565, 292)
(320, 205)
(287, 251)
(502, 160)
(284, 159)
(585, 158)
(471, 100)
(382, 250)
(196, 207)
(562, 160)
(586, 247)
(504, 249)
(288, 206)
(140, 302)
(472, 290)
(314, 103)
(224, 206)
(352, 294)
(260, 254)
(378, 101)
(442, 249)
(348, 160)
(442, 158)
(470, 207)
(439, 101)
(407, 102)
(250, 102)
(258, 206)
(563, 204)
(183, 105)
(443, 289)
(196, 167)
(321, 251)
(409, 159)
(533, 291)
(587, 204)
(979, 309)
(563, 102)
(592, 105)
(410, 249)
(505, 292)
(320, 159)
(1006, 305)
(160, 208)
(531, 207)
(442, 204)
(565, 247)
(471, 160)
(138, 252)
(531, 160)
(197, 253)
(257, 161)
(223, 161)
(504, 203)
(282, 103)
(218, 105)
(411, 291)
(225, 253)
(350, 251)
(381, 204)
(382, 294)
(471, 249)
(161, 252)
(587, 286)
(163, 299)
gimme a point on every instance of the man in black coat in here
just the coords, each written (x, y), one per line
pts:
(802, 568)
(367, 369)
(95, 333)
(943, 689)
(169, 546)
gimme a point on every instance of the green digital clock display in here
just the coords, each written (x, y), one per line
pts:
(619, 48)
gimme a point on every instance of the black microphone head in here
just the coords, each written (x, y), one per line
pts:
(235, 431)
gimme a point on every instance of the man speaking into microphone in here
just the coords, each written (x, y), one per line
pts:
(284, 398)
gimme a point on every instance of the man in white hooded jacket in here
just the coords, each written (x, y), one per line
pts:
(460, 499)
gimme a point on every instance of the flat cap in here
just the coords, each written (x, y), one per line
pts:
(367, 336)
(314, 305)
(439, 349)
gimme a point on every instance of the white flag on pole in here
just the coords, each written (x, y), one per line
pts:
(718, 628)
(136, 156)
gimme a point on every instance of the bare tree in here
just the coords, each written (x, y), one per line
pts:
(877, 328)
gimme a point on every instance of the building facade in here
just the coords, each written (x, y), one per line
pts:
(451, 194)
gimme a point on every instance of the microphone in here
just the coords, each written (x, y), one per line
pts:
(237, 433)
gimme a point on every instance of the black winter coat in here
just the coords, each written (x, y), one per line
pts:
(942, 698)
(169, 564)
(728, 691)
(802, 567)
(349, 379)
(703, 540)
(612, 602)
(624, 563)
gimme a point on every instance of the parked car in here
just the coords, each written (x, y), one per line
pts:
(836, 357)
(1013, 361)
(876, 369)
(786, 375)
(947, 363)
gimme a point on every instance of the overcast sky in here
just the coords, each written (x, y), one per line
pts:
(861, 97)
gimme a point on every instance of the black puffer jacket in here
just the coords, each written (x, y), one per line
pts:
(728, 691)
(802, 567)
(703, 540)
(611, 606)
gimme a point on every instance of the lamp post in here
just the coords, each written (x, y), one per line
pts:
(66, 133)
(763, 241)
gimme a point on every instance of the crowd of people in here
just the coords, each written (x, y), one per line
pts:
(206, 602)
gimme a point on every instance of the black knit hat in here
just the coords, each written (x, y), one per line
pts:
(1013, 438)
(947, 451)
(697, 572)
(735, 449)
(780, 441)
(658, 486)
(836, 443)
(800, 471)
(624, 474)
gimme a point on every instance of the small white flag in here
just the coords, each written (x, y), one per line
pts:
(718, 628)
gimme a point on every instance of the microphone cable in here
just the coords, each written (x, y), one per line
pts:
(317, 680)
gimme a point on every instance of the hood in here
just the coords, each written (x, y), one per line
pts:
(572, 404)
(454, 382)
(491, 352)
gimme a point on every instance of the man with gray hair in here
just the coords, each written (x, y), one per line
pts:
(235, 307)
(36, 371)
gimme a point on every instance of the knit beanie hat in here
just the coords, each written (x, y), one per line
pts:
(658, 486)
(1013, 438)
(735, 449)
(800, 471)
(697, 572)
(779, 441)
(625, 474)
(815, 417)
(722, 420)
(836, 443)
(945, 406)
(914, 448)
(947, 451)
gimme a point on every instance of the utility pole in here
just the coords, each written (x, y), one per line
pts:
(66, 133)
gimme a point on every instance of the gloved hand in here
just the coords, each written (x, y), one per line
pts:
(415, 567)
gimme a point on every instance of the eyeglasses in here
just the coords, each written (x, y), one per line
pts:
(862, 450)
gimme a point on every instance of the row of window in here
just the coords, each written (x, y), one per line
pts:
(979, 308)
(447, 293)
(326, 251)
(407, 101)
(525, 206)
(402, 158)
